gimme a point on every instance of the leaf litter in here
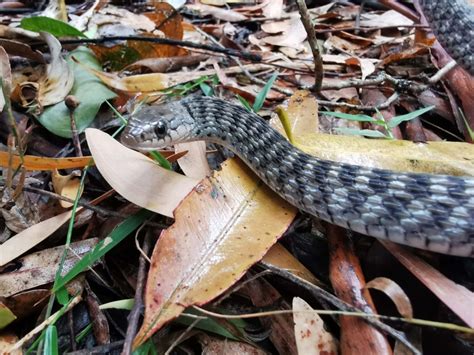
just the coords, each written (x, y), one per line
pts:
(220, 224)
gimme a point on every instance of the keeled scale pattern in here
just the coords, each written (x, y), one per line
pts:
(452, 21)
(434, 212)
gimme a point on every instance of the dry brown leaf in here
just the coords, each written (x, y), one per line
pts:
(31, 162)
(302, 112)
(311, 336)
(222, 228)
(458, 298)
(29, 238)
(395, 293)
(194, 164)
(281, 258)
(7, 340)
(136, 177)
(215, 346)
(40, 268)
(273, 9)
(216, 12)
(55, 85)
(388, 18)
(66, 186)
(293, 34)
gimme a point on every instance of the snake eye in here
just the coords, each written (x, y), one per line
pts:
(160, 128)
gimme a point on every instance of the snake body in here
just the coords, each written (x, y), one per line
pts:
(433, 212)
(452, 21)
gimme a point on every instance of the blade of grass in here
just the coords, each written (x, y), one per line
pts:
(395, 121)
(115, 237)
(347, 116)
(361, 132)
(260, 99)
(51, 341)
(160, 159)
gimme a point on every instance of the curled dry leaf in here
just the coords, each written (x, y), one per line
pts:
(58, 79)
(218, 13)
(458, 298)
(29, 238)
(222, 228)
(136, 177)
(194, 164)
(66, 186)
(40, 268)
(395, 293)
(311, 336)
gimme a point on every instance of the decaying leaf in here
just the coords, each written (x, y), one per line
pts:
(222, 228)
(66, 186)
(29, 238)
(58, 79)
(40, 268)
(395, 293)
(458, 298)
(311, 336)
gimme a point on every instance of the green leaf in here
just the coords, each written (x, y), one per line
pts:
(47, 24)
(6, 316)
(88, 90)
(361, 132)
(115, 237)
(51, 341)
(395, 121)
(147, 348)
(244, 103)
(160, 159)
(347, 116)
(213, 326)
(126, 304)
(206, 89)
(260, 99)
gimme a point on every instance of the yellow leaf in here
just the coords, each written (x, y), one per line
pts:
(222, 228)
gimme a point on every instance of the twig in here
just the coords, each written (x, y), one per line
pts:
(50, 320)
(320, 293)
(85, 204)
(228, 51)
(313, 43)
(134, 315)
(442, 72)
(244, 68)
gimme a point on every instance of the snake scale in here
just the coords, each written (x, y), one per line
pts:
(432, 212)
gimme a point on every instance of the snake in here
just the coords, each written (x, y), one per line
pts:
(425, 211)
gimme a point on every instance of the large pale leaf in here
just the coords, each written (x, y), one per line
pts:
(87, 89)
(29, 238)
(136, 177)
(433, 157)
(222, 228)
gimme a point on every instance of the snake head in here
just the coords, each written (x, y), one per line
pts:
(155, 127)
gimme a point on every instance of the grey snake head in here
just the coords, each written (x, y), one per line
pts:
(156, 127)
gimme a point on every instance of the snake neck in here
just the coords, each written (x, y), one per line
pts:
(235, 128)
